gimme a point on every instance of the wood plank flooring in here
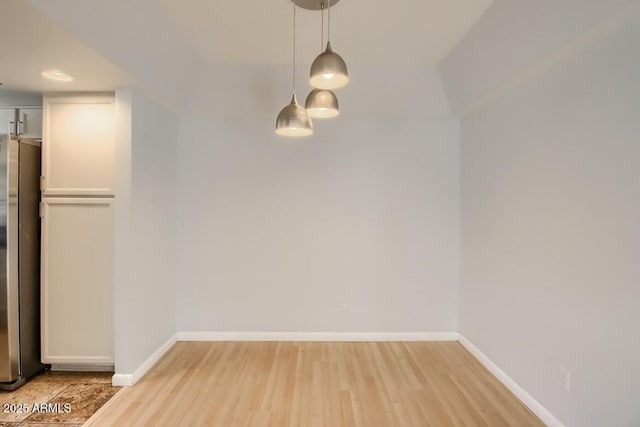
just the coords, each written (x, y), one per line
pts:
(316, 384)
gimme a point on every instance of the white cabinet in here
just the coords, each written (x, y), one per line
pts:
(78, 146)
(77, 281)
(78, 143)
(25, 120)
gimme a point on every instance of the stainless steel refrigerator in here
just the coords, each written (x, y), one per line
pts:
(19, 260)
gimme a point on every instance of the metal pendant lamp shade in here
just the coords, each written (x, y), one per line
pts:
(329, 71)
(293, 120)
(322, 104)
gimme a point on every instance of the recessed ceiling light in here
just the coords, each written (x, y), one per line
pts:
(58, 75)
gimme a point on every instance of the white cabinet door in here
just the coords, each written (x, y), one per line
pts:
(78, 142)
(30, 122)
(7, 121)
(77, 281)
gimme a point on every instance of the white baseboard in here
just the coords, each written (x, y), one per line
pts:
(318, 336)
(128, 380)
(535, 406)
(74, 367)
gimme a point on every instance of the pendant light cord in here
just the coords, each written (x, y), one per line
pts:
(294, 47)
(322, 27)
(329, 23)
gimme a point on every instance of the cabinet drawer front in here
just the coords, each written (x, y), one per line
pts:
(77, 281)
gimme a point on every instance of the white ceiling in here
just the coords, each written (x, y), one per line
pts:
(160, 45)
(399, 32)
(30, 43)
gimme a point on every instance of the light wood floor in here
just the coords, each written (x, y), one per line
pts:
(316, 384)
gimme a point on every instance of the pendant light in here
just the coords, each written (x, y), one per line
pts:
(322, 103)
(293, 119)
(329, 70)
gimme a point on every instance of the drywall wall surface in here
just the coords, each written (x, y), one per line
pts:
(11, 98)
(550, 230)
(512, 37)
(352, 229)
(145, 229)
(374, 91)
